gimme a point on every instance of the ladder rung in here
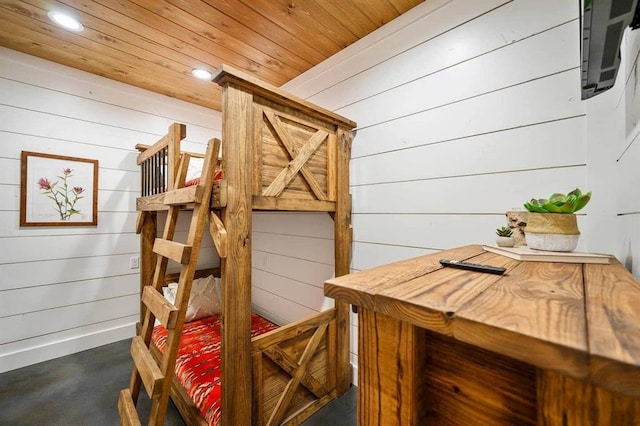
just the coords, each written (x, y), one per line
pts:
(163, 310)
(181, 253)
(189, 194)
(149, 371)
(127, 410)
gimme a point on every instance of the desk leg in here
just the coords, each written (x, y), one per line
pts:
(390, 356)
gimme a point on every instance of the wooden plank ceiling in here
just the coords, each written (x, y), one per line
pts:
(154, 44)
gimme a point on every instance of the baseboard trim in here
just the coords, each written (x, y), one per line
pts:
(354, 378)
(36, 354)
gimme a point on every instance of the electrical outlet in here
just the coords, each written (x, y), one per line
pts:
(134, 262)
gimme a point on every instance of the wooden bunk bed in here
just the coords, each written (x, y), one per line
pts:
(280, 153)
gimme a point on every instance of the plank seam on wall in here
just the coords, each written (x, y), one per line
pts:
(80, 233)
(66, 80)
(71, 305)
(468, 98)
(293, 312)
(629, 145)
(295, 302)
(82, 280)
(498, 172)
(93, 100)
(293, 257)
(150, 136)
(133, 316)
(293, 235)
(487, 193)
(398, 245)
(430, 74)
(115, 148)
(502, 130)
(298, 281)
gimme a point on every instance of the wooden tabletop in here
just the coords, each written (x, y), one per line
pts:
(579, 319)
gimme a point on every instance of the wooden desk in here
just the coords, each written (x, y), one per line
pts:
(545, 343)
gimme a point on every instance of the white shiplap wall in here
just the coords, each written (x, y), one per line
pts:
(627, 174)
(466, 110)
(63, 290)
(459, 108)
(613, 150)
(292, 257)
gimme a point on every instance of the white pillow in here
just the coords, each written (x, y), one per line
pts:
(203, 300)
(195, 168)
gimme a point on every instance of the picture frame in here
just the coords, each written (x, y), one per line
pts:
(57, 190)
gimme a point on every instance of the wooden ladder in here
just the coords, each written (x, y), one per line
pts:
(157, 378)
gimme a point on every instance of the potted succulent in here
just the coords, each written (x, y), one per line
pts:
(552, 224)
(505, 237)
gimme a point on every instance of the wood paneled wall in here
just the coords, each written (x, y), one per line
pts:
(466, 110)
(63, 290)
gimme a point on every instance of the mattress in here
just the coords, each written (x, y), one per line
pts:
(198, 362)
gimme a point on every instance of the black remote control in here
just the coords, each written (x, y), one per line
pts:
(473, 266)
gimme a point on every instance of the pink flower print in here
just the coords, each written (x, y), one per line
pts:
(44, 184)
(62, 194)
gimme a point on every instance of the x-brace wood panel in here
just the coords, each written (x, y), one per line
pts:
(299, 158)
(299, 373)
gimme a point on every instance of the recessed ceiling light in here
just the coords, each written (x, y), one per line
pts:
(65, 21)
(201, 73)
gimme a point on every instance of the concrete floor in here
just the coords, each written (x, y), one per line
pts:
(82, 389)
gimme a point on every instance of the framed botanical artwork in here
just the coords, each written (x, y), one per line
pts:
(58, 191)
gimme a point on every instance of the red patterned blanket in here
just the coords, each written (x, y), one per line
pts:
(198, 362)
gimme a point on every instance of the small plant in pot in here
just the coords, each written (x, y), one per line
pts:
(552, 223)
(505, 237)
